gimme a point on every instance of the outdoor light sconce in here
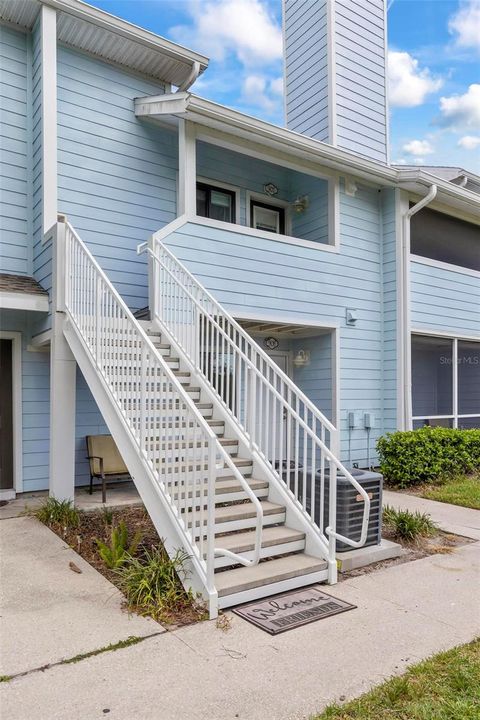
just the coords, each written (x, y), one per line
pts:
(302, 358)
(301, 204)
(270, 189)
(351, 316)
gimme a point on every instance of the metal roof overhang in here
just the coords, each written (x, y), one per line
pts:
(87, 28)
(231, 124)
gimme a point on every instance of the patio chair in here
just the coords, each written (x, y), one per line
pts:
(106, 463)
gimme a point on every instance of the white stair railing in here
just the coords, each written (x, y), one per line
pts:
(182, 452)
(298, 443)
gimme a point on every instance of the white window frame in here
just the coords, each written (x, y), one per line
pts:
(275, 203)
(455, 416)
(221, 186)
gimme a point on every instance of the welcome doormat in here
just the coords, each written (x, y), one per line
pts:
(292, 609)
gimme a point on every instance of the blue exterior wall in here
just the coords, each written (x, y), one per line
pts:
(355, 58)
(445, 300)
(15, 155)
(257, 275)
(116, 174)
(306, 68)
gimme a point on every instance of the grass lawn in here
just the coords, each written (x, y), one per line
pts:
(444, 687)
(463, 490)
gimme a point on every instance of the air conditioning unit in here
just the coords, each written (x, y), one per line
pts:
(350, 507)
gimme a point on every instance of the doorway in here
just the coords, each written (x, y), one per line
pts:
(7, 481)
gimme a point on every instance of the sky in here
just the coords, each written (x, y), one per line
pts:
(433, 66)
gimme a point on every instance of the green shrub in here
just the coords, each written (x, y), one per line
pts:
(152, 583)
(61, 513)
(116, 554)
(428, 454)
(407, 525)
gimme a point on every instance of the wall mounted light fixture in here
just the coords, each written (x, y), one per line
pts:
(301, 358)
(301, 203)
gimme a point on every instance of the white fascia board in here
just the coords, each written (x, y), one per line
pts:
(128, 30)
(23, 301)
(175, 104)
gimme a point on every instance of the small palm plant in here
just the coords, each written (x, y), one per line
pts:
(59, 513)
(116, 553)
(407, 525)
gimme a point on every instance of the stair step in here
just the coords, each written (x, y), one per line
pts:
(276, 540)
(244, 465)
(271, 572)
(230, 490)
(238, 517)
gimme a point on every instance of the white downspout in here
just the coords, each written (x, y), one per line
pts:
(407, 335)
(194, 73)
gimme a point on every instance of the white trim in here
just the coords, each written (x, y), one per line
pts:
(334, 212)
(187, 169)
(273, 202)
(23, 301)
(16, 338)
(220, 185)
(48, 50)
(331, 73)
(444, 265)
(274, 237)
(41, 339)
(455, 381)
(336, 410)
(401, 205)
(450, 334)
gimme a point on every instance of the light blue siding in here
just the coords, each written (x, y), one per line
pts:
(15, 191)
(251, 174)
(116, 174)
(306, 71)
(257, 275)
(444, 300)
(355, 59)
(390, 321)
(360, 77)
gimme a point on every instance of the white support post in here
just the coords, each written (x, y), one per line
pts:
(48, 41)
(62, 384)
(187, 169)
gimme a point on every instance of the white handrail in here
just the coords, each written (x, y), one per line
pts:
(181, 449)
(280, 423)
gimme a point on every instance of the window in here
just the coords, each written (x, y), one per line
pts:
(215, 203)
(444, 238)
(270, 218)
(445, 382)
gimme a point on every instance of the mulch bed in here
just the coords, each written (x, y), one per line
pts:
(94, 524)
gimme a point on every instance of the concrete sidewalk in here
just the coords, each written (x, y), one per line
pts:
(405, 613)
(48, 612)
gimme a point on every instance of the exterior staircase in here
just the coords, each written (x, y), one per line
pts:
(203, 446)
(284, 562)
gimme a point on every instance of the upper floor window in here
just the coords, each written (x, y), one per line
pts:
(445, 238)
(267, 217)
(216, 203)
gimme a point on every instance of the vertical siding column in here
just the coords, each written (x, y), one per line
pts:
(62, 385)
(48, 44)
(187, 169)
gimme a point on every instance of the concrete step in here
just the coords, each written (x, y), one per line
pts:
(205, 408)
(218, 427)
(242, 516)
(276, 540)
(244, 580)
(244, 465)
(230, 490)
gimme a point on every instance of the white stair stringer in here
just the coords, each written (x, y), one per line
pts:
(169, 529)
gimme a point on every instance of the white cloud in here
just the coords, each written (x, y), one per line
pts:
(245, 28)
(465, 24)
(469, 142)
(261, 91)
(418, 148)
(462, 110)
(409, 84)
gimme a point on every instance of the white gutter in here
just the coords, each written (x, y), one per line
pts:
(406, 314)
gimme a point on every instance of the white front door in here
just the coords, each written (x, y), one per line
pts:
(272, 411)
